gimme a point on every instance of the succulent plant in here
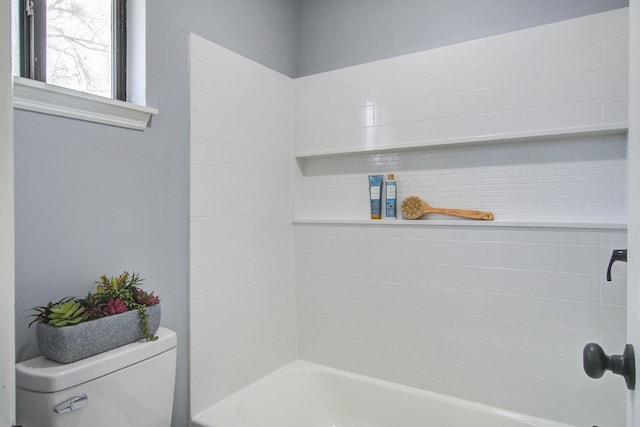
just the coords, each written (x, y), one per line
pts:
(144, 298)
(125, 288)
(42, 313)
(116, 305)
(66, 313)
(113, 295)
(94, 307)
(114, 284)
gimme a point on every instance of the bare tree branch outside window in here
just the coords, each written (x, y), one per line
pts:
(79, 45)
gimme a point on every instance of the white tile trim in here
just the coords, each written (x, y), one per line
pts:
(534, 135)
(460, 223)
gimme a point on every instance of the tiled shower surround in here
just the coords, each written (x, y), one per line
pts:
(491, 312)
(242, 292)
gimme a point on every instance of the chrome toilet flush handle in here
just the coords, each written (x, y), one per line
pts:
(616, 255)
(73, 404)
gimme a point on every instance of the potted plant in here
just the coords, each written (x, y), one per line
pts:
(117, 313)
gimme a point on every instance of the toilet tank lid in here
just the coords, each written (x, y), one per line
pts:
(44, 375)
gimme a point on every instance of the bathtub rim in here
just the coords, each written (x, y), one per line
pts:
(232, 400)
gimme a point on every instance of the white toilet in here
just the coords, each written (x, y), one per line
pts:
(128, 386)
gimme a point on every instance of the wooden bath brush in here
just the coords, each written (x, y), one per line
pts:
(413, 207)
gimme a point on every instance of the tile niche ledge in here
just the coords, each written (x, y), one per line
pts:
(541, 134)
(462, 223)
(32, 95)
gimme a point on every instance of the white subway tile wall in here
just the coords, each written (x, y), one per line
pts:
(498, 316)
(492, 314)
(242, 310)
(552, 78)
(495, 315)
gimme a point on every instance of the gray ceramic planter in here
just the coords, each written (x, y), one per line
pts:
(70, 343)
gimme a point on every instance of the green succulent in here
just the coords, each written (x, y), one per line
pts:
(42, 313)
(67, 313)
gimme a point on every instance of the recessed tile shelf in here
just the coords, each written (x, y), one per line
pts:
(617, 129)
(608, 129)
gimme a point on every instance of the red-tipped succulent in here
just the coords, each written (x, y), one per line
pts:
(116, 305)
(94, 307)
(144, 298)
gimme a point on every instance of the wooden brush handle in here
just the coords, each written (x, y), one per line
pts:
(464, 213)
(413, 207)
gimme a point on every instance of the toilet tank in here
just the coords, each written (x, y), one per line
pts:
(128, 386)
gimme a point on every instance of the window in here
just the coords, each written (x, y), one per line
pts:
(74, 56)
(75, 44)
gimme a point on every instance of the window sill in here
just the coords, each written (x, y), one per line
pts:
(32, 95)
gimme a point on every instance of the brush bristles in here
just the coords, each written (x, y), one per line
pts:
(412, 207)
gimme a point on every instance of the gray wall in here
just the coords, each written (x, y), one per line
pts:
(339, 33)
(94, 199)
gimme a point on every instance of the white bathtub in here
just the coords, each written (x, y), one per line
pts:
(304, 394)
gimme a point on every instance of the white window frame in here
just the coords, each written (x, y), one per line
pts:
(42, 97)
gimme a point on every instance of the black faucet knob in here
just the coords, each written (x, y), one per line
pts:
(616, 255)
(595, 363)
